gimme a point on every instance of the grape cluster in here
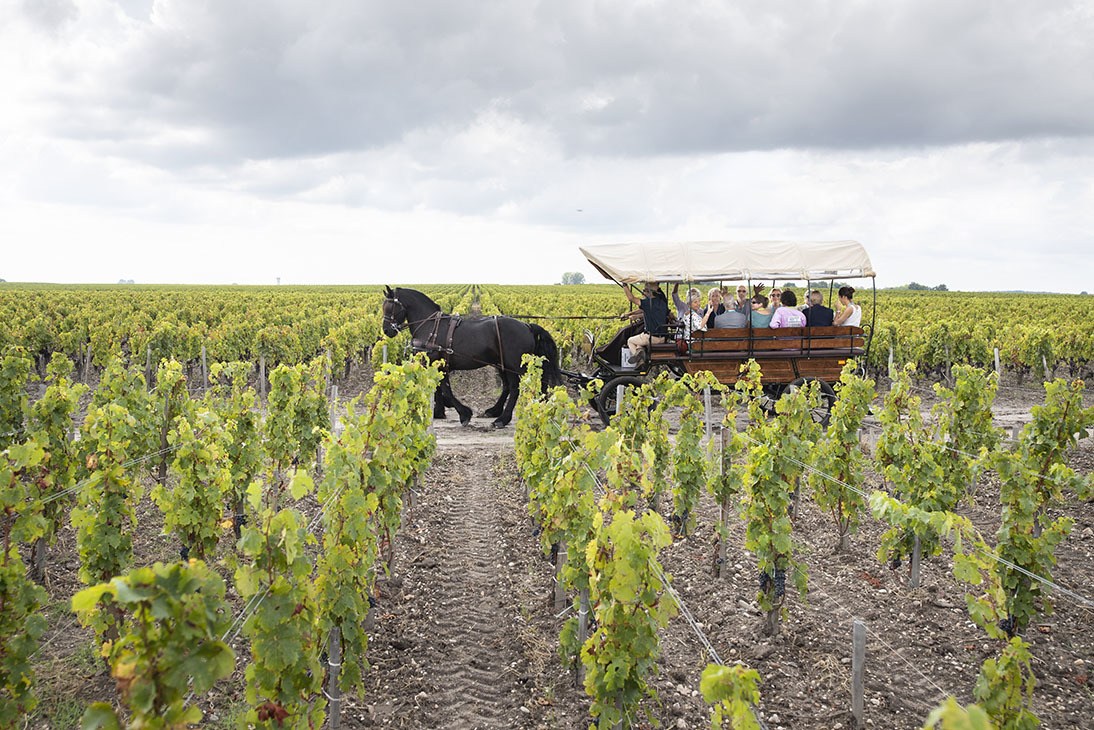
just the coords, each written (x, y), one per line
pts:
(238, 521)
(1009, 625)
(780, 582)
(895, 563)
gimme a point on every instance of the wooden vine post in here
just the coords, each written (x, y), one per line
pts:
(858, 673)
(262, 377)
(561, 599)
(727, 480)
(334, 665)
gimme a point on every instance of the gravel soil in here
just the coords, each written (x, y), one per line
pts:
(465, 633)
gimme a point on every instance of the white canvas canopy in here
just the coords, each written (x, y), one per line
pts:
(630, 263)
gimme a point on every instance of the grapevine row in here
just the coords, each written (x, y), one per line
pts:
(164, 629)
(931, 467)
(1035, 334)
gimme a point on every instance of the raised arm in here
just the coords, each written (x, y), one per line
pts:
(843, 315)
(708, 318)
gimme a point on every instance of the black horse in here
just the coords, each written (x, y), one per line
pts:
(468, 344)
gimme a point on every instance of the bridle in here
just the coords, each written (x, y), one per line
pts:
(390, 315)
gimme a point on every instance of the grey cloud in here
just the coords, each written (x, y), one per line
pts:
(298, 80)
(50, 15)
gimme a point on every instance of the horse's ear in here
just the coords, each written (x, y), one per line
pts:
(388, 293)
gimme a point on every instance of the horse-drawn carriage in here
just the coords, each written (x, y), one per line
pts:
(788, 356)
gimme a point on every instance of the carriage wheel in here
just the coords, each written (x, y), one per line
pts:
(822, 413)
(606, 405)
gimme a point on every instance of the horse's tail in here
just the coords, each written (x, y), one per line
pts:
(546, 348)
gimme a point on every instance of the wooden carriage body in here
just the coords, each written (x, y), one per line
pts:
(787, 356)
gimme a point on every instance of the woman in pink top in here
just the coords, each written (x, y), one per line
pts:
(787, 315)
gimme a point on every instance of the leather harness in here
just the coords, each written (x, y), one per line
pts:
(451, 321)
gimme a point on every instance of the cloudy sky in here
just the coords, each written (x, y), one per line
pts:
(356, 141)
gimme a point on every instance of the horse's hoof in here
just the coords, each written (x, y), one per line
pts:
(465, 420)
(498, 423)
(439, 416)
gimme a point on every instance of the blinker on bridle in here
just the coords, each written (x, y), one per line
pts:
(390, 318)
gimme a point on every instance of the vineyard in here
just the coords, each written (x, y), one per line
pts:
(289, 325)
(228, 506)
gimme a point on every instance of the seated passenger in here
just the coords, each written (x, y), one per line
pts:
(692, 321)
(731, 319)
(654, 310)
(816, 314)
(851, 314)
(681, 305)
(714, 307)
(787, 315)
(740, 302)
(761, 315)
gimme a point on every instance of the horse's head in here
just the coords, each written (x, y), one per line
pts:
(394, 313)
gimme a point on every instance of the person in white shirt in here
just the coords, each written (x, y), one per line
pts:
(851, 314)
(692, 318)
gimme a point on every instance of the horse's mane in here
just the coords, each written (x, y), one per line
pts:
(416, 297)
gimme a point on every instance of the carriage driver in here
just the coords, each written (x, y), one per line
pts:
(654, 308)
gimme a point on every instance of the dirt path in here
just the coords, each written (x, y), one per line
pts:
(471, 659)
(449, 629)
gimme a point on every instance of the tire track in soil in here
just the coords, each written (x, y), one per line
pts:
(446, 643)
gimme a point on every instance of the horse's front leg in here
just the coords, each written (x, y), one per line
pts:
(438, 402)
(450, 398)
(496, 410)
(512, 387)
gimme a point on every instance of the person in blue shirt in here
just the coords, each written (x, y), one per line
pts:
(654, 310)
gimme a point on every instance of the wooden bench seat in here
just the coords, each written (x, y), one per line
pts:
(784, 338)
(764, 342)
(783, 353)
